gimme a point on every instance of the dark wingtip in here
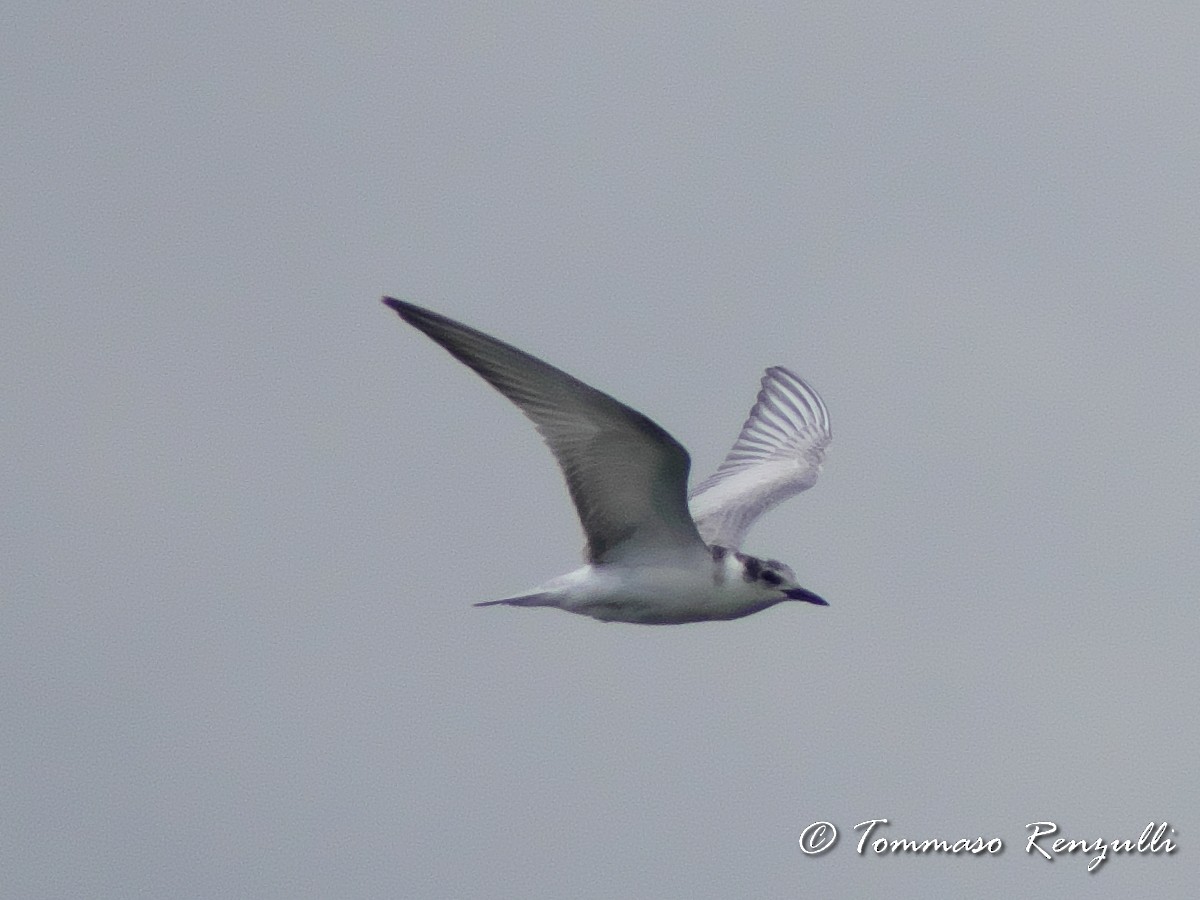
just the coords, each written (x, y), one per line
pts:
(398, 306)
(419, 316)
(806, 596)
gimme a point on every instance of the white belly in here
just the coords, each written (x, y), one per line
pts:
(660, 596)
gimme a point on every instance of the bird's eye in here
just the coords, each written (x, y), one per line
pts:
(771, 577)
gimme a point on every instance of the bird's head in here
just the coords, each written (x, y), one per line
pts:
(775, 576)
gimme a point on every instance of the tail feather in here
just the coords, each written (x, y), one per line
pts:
(526, 600)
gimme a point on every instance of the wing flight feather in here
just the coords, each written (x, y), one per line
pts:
(626, 475)
(777, 455)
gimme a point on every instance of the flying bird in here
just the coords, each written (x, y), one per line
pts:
(650, 559)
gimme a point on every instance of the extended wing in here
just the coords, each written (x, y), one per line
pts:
(626, 475)
(777, 455)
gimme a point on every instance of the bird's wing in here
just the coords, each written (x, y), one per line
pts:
(778, 454)
(626, 475)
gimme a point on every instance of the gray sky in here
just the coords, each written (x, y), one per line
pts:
(247, 510)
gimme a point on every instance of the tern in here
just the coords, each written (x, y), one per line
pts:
(650, 559)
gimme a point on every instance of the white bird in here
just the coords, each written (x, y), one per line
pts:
(649, 560)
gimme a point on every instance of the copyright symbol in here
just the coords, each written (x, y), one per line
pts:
(818, 837)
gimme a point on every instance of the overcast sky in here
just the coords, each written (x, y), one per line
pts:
(246, 509)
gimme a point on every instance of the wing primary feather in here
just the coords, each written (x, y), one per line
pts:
(626, 475)
(777, 454)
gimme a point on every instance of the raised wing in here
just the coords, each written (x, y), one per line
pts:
(777, 455)
(626, 475)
